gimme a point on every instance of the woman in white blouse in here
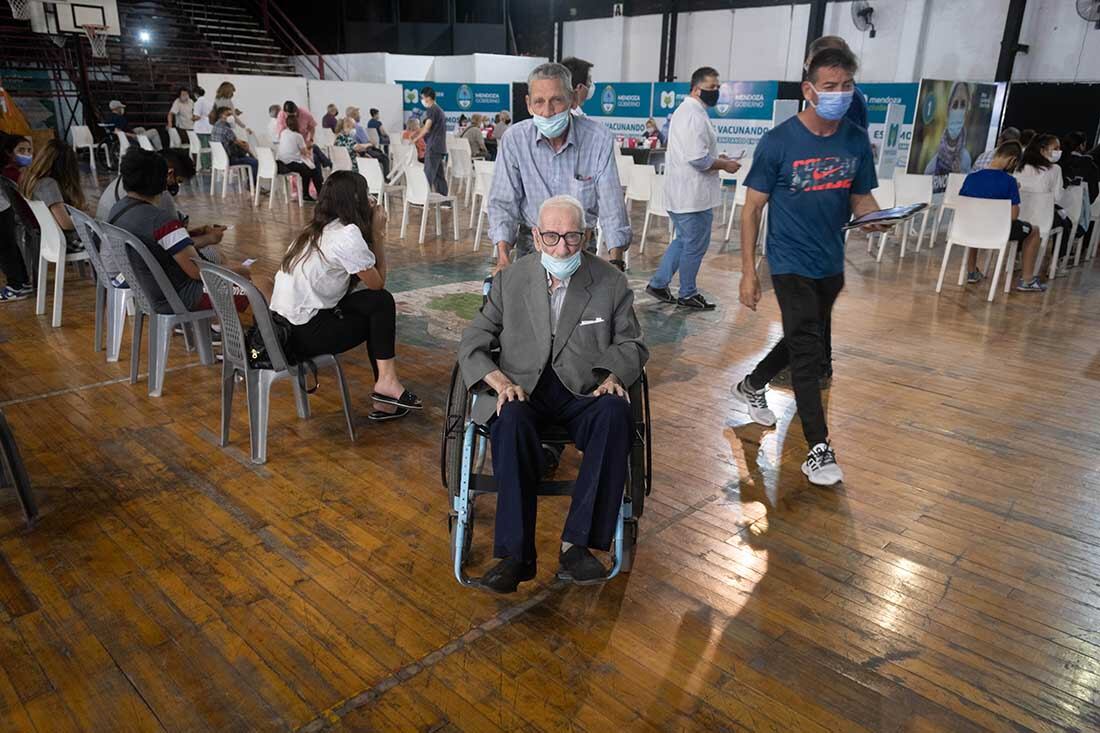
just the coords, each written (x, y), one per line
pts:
(293, 154)
(331, 288)
(1039, 174)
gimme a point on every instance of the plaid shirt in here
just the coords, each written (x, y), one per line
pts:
(529, 171)
(223, 133)
(983, 160)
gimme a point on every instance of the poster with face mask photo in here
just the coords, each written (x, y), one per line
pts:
(953, 124)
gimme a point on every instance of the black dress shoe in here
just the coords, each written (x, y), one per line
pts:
(506, 575)
(662, 294)
(697, 302)
(581, 567)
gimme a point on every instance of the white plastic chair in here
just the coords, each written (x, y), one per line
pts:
(479, 200)
(341, 159)
(123, 248)
(913, 188)
(268, 170)
(219, 163)
(1038, 210)
(462, 170)
(950, 201)
(640, 186)
(123, 143)
(82, 138)
(51, 248)
(980, 224)
(324, 138)
(624, 164)
(1072, 203)
(402, 157)
(114, 302)
(174, 140)
(655, 207)
(195, 148)
(739, 193)
(223, 284)
(371, 169)
(417, 193)
(1094, 235)
(884, 198)
(145, 143)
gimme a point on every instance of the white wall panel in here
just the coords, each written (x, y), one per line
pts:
(962, 39)
(703, 39)
(256, 93)
(493, 68)
(760, 43)
(1063, 46)
(642, 48)
(453, 68)
(386, 98)
(601, 41)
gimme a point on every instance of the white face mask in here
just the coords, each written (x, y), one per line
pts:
(1054, 156)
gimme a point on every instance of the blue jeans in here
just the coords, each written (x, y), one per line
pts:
(685, 252)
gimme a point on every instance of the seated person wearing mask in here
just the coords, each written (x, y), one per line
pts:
(145, 175)
(180, 170)
(570, 345)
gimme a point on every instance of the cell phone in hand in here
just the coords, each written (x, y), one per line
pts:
(249, 262)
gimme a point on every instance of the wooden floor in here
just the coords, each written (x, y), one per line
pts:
(951, 584)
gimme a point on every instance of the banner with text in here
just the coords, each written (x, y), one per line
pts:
(741, 117)
(457, 99)
(623, 107)
(881, 96)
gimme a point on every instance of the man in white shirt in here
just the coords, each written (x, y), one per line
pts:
(203, 126)
(583, 88)
(692, 190)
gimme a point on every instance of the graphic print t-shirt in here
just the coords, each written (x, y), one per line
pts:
(809, 180)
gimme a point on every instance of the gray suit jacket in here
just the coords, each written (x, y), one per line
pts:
(597, 334)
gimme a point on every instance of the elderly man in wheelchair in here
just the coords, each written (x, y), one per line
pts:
(569, 348)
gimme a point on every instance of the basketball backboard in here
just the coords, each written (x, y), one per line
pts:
(63, 16)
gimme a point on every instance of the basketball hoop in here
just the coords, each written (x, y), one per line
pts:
(97, 39)
(20, 9)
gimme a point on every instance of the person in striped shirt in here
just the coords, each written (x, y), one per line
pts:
(144, 176)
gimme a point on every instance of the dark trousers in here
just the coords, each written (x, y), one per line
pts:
(436, 172)
(602, 429)
(363, 316)
(320, 160)
(806, 305)
(11, 259)
(309, 175)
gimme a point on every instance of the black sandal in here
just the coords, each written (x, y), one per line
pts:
(381, 416)
(407, 400)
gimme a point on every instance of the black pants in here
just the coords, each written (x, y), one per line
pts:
(365, 315)
(11, 259)
(806, 305)
(601, 427)
(320, 160)
(308, 175)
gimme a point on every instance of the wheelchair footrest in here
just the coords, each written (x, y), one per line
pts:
(484, 484)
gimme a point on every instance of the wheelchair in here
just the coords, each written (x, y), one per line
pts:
(465, 445)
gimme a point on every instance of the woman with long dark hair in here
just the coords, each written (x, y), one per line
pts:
(1038, 173)
(331, 288)
(54, 179)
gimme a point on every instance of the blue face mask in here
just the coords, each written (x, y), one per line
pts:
(23, 160)
(552, 126)
(832, 105)
(956, 118)
(561, 268)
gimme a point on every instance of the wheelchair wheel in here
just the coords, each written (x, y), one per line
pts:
(454, 419)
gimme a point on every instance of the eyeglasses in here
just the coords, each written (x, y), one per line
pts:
(551, 239)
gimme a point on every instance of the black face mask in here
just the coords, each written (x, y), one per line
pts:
(174, 188)
(709, 97)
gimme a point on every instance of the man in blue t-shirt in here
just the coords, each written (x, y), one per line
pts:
(995, 182)
(814, 172)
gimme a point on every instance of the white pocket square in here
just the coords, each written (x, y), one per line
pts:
(597, 319)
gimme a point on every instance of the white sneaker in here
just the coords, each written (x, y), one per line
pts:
(757, 402)
(821, 466)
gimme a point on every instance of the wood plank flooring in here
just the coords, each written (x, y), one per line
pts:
(951, 584)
